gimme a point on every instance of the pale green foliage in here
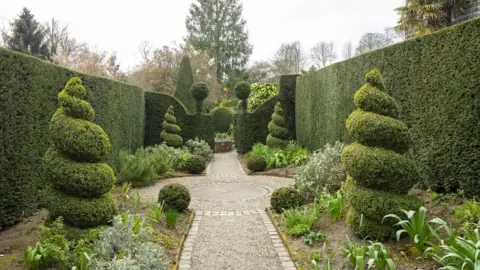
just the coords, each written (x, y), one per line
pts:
(364, 256)
(199, 147)
(178, 157)
(418, 229)
(468, 215)
(293, 154)
(156, 212)
(259, 94)
(171, 217)
(223, 135)
(332, 203)
(138, 169)
(322, 170)
(304, 216)
(162, 159)
(125, 246)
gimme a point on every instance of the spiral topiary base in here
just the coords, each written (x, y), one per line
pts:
(366, 227)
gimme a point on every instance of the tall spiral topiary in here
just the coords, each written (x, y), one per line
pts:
(171, 130)
(199, 91)
(80, 181)
(379, 173)
(278, 133)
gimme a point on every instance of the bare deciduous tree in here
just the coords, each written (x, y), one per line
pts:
(347, 51)
(289, 58)
(323, 53)
(55, 34)
(373, 41)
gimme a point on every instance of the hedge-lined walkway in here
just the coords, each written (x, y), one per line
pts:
(231, 229)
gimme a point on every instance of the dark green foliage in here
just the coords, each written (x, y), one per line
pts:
(175, 196)
(286, 198)
(363, 225)
(277, 138)
(251, 128)
(223, 118)
(380, 168)
(77, 178)
(378, 178)
(195, 164)
(28, 36)
(435, 81)
(191, 125)
(83, 212)
(242, 90)
(199, 92)
(170, 130)
(28, 95)
(256, 163)
(78, 145)
(184, 83)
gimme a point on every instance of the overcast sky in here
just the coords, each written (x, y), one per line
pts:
(121, 25)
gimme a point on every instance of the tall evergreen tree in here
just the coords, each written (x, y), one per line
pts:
(28, 36)
(217, 28)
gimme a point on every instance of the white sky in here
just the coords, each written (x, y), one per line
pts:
(121, 25)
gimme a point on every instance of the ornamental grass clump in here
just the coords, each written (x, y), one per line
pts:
(379, 174)
(80, 181)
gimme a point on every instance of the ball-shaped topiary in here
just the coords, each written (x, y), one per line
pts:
(379, 174)
(278, 133)
(222, 119)
(199, 92)
(256, 163)
(171, 130)
(286, 198)
(174, 196)
(80, 181)
(195, 164)
(242, 90)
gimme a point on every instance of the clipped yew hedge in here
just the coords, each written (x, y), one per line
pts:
(28, 94)
(434, 78)
(251, 128)
(191, 125)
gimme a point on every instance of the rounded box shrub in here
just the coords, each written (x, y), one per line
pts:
(242, 90)
(222, 119)
(256, 163)
(174, 196)
(195, 164)
(286, 198)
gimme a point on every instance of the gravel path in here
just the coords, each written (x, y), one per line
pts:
(231, 229)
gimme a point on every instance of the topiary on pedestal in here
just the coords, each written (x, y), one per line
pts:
(199, 92)
(242, 91)
(222, 119)
(278, 136)
(171, 130)
(73, 164)
(379, 173)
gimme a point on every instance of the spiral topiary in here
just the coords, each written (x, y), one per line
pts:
(222, 119)
(195, 164)
(286, 198)
(80, 181)
(277, 138)
(174, 196)
(199, 91)
(256, 163)
(242, 91)
(379, 174)
(170, 130)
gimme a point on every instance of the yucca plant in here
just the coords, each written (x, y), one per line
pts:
(36, 257)
(379, 257)
(355, 254)
(419, 231)
(156, 212)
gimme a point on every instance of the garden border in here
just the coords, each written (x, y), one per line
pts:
(176, 262)
(282, 237)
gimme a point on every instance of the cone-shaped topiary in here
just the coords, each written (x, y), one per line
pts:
(199, 92)
(171, 130)
(184, 83)
(379, 174)
(80, 181)
(278, 132)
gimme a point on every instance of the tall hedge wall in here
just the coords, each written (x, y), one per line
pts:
(28, 98)
(251, 128)
(436, 80)
(191, 125)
